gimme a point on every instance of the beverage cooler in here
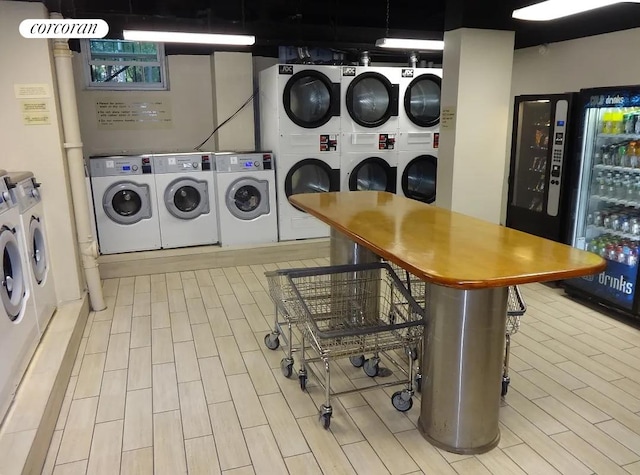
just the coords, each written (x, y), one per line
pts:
(540, 165)
(607, 206)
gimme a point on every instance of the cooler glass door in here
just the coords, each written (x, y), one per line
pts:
(608, 208)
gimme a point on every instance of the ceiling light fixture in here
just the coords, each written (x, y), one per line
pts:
(181, 37)
(553, 9)
(412, 44)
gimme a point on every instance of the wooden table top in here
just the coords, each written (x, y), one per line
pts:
(447, 248)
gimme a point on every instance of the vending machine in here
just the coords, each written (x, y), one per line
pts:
(606, 215)
(541, 158)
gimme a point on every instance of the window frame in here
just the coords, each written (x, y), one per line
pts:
(163, 85)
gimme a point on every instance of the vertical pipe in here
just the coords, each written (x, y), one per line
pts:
(75, 162)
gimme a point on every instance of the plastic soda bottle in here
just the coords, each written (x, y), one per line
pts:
(606, 122)
(632, 153)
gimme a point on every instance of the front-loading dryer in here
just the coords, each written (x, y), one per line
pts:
(417, 175)
(124, 198)
(246, 192)
(186, 199)
(419, 118)
(369, 171)
(18, 325)
(34, 239)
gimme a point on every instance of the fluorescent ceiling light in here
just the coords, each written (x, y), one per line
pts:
(552, 9)
(406, 43)
(179, 37)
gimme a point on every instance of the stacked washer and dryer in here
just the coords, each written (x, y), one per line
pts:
(27, 290)
(300, 123)
(418, 133)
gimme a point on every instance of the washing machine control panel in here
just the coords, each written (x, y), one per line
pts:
(120, 165)
(27, 193)
(182, 163)
(248, 162)
(6, 201)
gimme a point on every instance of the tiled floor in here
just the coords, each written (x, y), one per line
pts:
(174, 378)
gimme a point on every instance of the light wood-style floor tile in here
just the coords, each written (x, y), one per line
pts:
(364, 459)
(534, 414)
(529, 460)
(165, 388)
(255, 319)
(214, 381)
(382, 440)
(177, 302)
(197, 311)
(74, 468)
(118, 352)
(107, 313)
(210, 297)
(161, 346)
(264, 451)
(283, 425)
(105, 448)
(498, 463)
(138, 420)
(586, 453)
(552, 371)
(231, 306)
(186, 362)
(232, 448)
(122, 319)
(244, 336)
(470, 466)
(230, 355)
(137, 462)
(180, 327)
(160, 315)
(81, 351)
(50, 461)
(190, 289)
(90, 377)
(141, 332)
(112, 396)
(328, 454)
(66, 403)
(424, 454)
(142, 284)
(110, 287)
(219, 323)
(242, 293)
(204, 278)
(76, 439)
(380, 402)
(611, 407)
(139, 376)
(193, 407)
(300, 402)
(202, 458)
(240, 471)
(174, 281)
(622, 434)
(203, 339)
(246, 400)
(98, 338)
(125, 291)
(141, 305)
(304, 464)
(168, 445)
(159, 292)
(260, 373)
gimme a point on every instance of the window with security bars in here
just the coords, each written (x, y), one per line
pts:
(120, 64)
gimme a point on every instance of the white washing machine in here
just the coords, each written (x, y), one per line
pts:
(370, 98)
(310, 173)
(300, 104)
(417, 174)
(40, 277)
(186, 199)
(246, 195)
(124, 198)
(419, 119)
(18, 326)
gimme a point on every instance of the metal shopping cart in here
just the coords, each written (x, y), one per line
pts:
(516, 308)
(349, 311)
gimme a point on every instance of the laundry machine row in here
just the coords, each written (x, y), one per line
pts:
(348, 128)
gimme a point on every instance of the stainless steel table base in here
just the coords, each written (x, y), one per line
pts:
(462, 368)
(343, 250)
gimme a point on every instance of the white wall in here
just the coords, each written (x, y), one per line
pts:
(191, 103)
(37, 148)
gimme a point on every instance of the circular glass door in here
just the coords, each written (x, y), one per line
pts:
(309, 99)
(12, 288)
(248, 198)
(370, 99)
(186, 198)
(422, 100)
(127, 203)
(372, 174)
(310, 176)
(38, 250)
(419, 178)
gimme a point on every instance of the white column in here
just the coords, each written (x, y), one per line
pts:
(232, 82)
(475, 125)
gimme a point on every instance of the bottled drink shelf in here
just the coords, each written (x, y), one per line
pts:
(602, 229)
(616, 168)
(617, 201)
(620, 136)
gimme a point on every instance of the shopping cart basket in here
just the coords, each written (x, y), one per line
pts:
(349, 311)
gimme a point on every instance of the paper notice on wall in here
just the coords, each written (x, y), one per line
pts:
(133, 113)
(31, 91)
(35, 111)
(448, 118)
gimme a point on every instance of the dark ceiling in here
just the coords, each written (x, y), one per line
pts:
(345, 25)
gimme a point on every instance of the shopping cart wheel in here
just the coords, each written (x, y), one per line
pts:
(325, 416)
(418, 383)
(505, 387)
(286, 366)
(357, 361)
(303, 381)
(402, 400)
(271, 341)
(371, 367)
